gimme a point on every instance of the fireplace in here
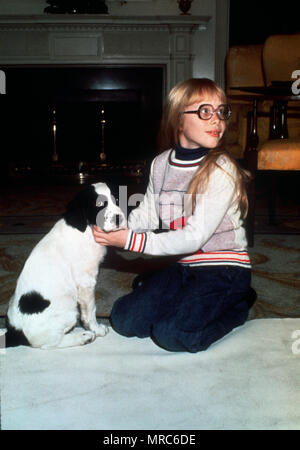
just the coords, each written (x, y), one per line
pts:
(129, 100)
(80, 65)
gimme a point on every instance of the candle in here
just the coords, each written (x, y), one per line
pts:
(54, 155)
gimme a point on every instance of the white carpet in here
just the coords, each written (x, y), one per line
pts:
(248, 380)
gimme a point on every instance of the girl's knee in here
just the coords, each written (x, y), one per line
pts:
(166, 335)
(169, 336)
(128, 319)
(120, 318)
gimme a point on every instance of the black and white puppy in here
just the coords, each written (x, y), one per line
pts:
(60, 273)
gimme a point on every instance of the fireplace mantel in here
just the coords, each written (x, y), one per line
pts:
(103, 19)
(67, 39)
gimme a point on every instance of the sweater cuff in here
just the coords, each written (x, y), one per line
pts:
(136, 242)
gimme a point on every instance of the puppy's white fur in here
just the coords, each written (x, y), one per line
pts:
(63, 269)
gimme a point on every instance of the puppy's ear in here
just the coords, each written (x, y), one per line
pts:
(82, 211)
(75, 214)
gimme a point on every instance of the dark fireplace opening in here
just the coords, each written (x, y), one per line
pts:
(103, 116)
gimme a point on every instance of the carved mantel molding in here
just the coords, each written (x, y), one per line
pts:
(102, 39)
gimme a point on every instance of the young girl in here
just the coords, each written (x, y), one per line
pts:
(196, 195)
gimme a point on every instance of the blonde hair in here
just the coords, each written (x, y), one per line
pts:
(182, 95)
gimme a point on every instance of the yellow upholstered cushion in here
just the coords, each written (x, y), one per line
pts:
(281, 56)
(244, 67)
(279, 154)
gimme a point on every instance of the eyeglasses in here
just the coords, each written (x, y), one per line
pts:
(205, 112)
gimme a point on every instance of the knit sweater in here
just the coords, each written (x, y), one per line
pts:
(210, 235)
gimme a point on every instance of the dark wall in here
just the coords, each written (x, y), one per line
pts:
(252, 21)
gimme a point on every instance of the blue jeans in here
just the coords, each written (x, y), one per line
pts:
(184, 308)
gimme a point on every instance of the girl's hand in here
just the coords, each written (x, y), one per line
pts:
(112, 238)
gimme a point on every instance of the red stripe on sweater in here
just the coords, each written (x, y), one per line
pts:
(216, 259)
(133, 244)
(141, 244)
(178, 223)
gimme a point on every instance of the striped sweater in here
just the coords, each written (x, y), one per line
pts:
(212, 235)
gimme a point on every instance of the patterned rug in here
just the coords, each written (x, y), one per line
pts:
(275, 260)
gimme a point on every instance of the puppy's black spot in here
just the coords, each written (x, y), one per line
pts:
(117, 217)
(14, 337)
(82, 210)
(101, 202)
(33, 303)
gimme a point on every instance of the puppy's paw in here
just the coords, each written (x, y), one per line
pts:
(101, 330)
(87, 337)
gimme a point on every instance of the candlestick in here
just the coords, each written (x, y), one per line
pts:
(54, 154)
(102, 121)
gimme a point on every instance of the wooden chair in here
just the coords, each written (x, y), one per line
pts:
(243, 67)
(281, 153)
